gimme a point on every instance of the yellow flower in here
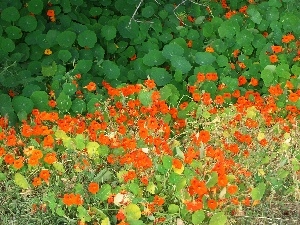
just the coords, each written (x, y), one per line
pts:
(47, 51)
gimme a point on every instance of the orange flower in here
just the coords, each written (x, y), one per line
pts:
(47, 51)
(91, 86)
(242, 80)
(209, 49)
(9, 158)
(52, 103)
(45, 175)
(93, 188)
(212, 204)
(253, 81)
(293, 97)
(219, 99)
(204, 136)
(243, 9)
(33, 161)
(276, 48)
(132, 58)
(242, 65)
(200, 77)
(18, 163)
(232, 189)
(2, 151)
(196, 97)
(194, 205)
(177, 163)
(48, 141)
(150, 83)
(69, 199)
(287, 38)
(50, 13)
(222, 180)
(158, 200)
(50, 158)
(273, 58)
(236, 53)
(36, 181)
(190, 44)
(191, 19)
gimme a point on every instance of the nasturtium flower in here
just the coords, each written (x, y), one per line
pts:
(93, 187)
(50, 13)
(47, 51)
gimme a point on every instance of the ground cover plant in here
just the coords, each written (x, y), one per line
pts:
(185, 112)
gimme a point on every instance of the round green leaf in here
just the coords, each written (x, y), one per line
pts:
(219, 46)
(91, 105)
(40, 100)
(111, 69)
(10, 14)
(153, 58)
(35, 6)
(222, 61)
(64, 55)
(165, 92)
(128, 28)
(145, 97)
(198, 217)
(69, 88)
(171, 50)
(204, 58)
(244, 37)
(254, 14)
(180, 63)
(83, 66)
(95, 11)
(50, 70)
(218, 219)
(78, 106)
(13, 32)
(132, 212)
(66, 39)
(21, 181)
(76, 2)
(108, 32)
(64, 102)
(29, 89)
(160, 76)
(104, 192)
(21, 103)
(27, 23)
(258, 192)
(87, 38)
(148, 11)
(6, 44)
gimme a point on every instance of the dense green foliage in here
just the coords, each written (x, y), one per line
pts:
(100, 40)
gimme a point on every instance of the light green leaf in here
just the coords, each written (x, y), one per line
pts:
(132, 212)
(254, 14)
(21, 181)
(218, 219)
(92, 149)
(104, 192)
(198, 217)
(180, 63)
(171, 50)
(59, 167)
(204, 58)
(258, 192)
(153, 58)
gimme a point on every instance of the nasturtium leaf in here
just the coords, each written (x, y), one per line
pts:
(66, 39)
(78, 106)
(84, 66)
(21, 181)
(49, 71)
(91, 108)
(59, 211)
(295, 70)
(212, 180)
(268, 77)
(35, 6)
(105, 221)
(40, 100)
(165, 92)
(13, 32)
(153, 58)
(127, 27)
(64, 55)
(21, 103)
(145, 97)
(222, 61)
(76, 2)
(92, 149)
(272, 14)
(22, 115)
(171, 50)
(258, 192)
(231, 83)
(6, 45)
(254, 14)
(160, 76)
(193, 35)
(10, 14)
(173, 208)
(228, 29)
(199, 20)
(104, 192)
(275, 3)
(180, 63)
(132, 212)
(36, 52)
(27, 23)
(198, 217)
(151, 187)
(134, 188)
(163, 14)
(79, 141)
(64, 102)
(83, 214)
(219, 46)
(218, 219)
(148, 11)
(244, 37)
(167, 161)
(204, 58)
(69, 88)
(59, 167)
(207, 30)
(98, 52)
(108, 32)
(111, 69)
(178, 76)
(282, 70)
(95, 11)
